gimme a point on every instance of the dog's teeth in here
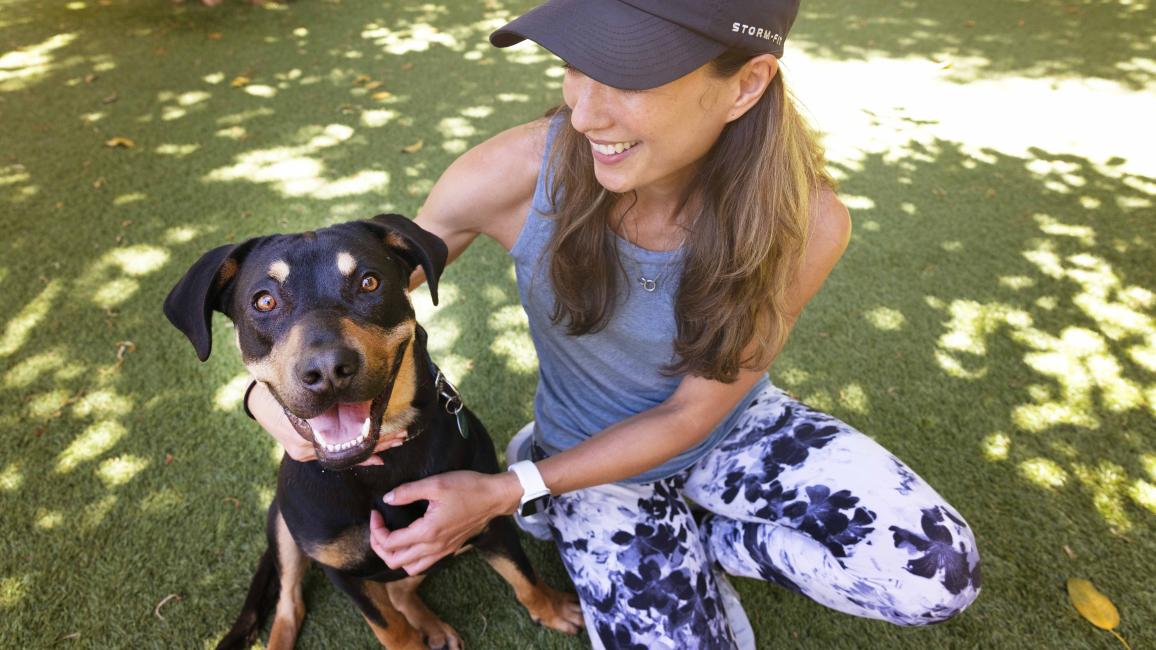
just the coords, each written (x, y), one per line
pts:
(365, 428)
(320, 438)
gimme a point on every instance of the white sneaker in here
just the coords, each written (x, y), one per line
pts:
(519, 449)
(740, 625)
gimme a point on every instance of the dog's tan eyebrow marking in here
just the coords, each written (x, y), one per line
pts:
(346, 263)
(279, 271)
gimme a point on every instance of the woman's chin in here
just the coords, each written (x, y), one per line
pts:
(615, 183)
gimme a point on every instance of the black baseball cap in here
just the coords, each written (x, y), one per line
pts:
(639, 44)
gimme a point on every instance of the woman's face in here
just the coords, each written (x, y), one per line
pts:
(649, 139)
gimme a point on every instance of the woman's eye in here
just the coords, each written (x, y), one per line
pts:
(265, 302)
(369, 283)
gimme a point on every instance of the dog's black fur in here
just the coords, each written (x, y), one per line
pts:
(329, 340)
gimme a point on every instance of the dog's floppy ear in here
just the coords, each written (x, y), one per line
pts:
(415, 245)
(189, 306)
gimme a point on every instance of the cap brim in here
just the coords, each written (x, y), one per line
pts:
(612, 42)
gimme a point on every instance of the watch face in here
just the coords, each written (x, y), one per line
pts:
(534, 506)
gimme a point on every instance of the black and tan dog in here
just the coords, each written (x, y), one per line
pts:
(324, 320)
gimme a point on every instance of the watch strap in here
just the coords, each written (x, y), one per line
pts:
(533, 487)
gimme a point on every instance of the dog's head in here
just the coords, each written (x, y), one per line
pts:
(324, 320)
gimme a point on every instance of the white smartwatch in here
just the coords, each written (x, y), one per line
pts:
(535, 494)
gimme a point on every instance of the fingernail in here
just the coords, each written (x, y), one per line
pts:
(388, 498)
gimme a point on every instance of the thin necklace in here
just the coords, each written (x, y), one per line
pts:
(651, 285)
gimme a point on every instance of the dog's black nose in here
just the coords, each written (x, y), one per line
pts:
(331, 369)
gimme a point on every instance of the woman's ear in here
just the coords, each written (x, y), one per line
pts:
(751, 82)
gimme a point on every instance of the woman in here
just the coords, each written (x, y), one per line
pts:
(668, 224)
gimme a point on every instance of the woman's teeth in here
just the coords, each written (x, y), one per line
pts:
(349, 444)
(611, 149)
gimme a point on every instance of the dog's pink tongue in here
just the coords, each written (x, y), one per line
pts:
(341, 423)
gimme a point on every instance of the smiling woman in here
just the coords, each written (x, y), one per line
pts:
(667, 225)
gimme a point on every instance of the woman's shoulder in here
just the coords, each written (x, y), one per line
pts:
(830, 220)
(489, 189)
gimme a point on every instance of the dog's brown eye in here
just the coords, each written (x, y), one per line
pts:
(369, 283)
(265, 302)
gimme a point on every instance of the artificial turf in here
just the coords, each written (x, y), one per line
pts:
(991, 323)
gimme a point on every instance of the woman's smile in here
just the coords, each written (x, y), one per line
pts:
(611, 153)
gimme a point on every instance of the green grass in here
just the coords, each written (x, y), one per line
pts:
(992, 322)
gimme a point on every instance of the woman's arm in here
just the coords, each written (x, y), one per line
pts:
(461, 503)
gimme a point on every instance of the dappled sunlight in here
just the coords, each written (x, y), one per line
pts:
(97, 439)
(115, 472)
(915, 100)
(20, 68)
(885, 318)
(1043, 472)
(228, 397)
(94, 514)
(996, 446)
(102, 403)
(1107, 483)
(134, 262)
(13, 590)
(512, 341)
(11, 478)
(48, 519)
(298, 171)
(164, 501)
(28, 370)
(19, 327)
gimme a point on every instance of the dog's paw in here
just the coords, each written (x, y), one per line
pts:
(560, 611)
(438, 635)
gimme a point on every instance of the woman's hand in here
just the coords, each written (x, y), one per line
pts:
(460, 505)
(271, 416)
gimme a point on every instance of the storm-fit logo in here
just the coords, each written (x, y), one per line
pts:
(758, 32)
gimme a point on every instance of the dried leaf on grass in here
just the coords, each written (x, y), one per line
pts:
(240, 81)
(124, 143)
(415, 147)
(1094, 606)
(157, 609)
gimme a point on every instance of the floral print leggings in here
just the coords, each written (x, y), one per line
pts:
(791, 496)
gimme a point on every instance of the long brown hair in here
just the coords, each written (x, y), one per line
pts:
(743, 248)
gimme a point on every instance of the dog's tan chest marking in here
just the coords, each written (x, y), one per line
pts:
(346, 263)
(279, 271)
(344, 552)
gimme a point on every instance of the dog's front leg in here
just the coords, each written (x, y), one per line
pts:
(389, 625)
(437, 633)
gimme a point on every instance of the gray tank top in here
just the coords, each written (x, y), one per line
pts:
(588, 383)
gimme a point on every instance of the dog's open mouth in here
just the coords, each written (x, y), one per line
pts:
(345, 434)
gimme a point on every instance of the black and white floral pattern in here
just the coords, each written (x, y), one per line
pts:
(791, 496)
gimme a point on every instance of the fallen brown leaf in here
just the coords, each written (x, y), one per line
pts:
(381, 96)
(215, 36)
(124, 143)
(110, 99)
(168, 459)
(1069, 552)
(414, 148)
(235, 501)
(969, 24)
(240, 82)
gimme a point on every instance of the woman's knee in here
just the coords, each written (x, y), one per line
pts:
(942, 573)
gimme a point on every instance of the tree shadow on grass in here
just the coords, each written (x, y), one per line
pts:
(992, 324)
(1109, 40)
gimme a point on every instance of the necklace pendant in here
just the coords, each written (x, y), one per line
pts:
(648, 285)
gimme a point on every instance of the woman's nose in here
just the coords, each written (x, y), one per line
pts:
(588, 104)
